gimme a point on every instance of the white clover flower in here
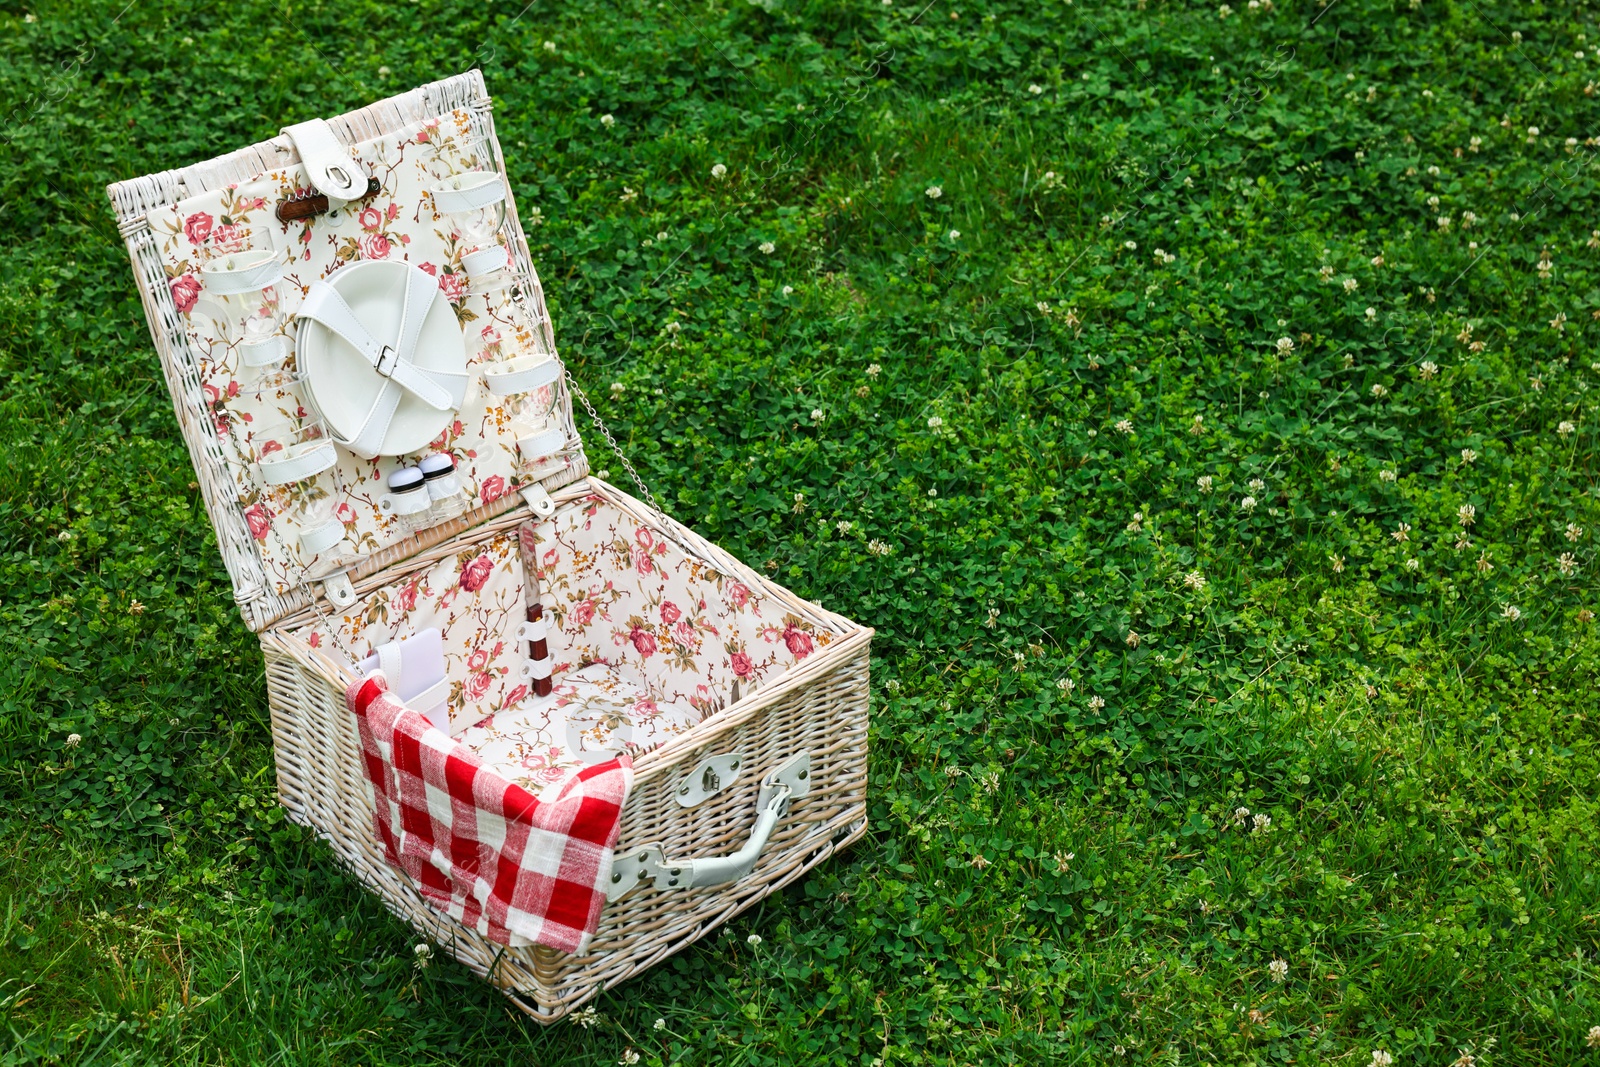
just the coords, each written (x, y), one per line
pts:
(1565, 428)
(1371, 314)
(1351, 285)
(935, 422)
(1240, 814)
(608, 120)
(843, 526)
(383, 72)
(1256, 485)
(817, 415)
(1262, 822)
(788, 290)
(766, 248)
(629, 1058)
(1387, 475)
(74, 740)
(1337, 563)
(980, 862)
(1285, 345)
(617, 388)
(933, 192)
(955, 235)
(753, 939)
(1468, 456)
(1428, 369)
(1044, 308)
(1248, 503)
(1574, 531)
(587, 1017)
(1195, 580)
(1279, 970)
(1132, 246)
(878, 548)
(673, 327)
(1379, 392)
(1413, 564)
(1377, 261)
(549, 46)
(1035, 89)
(1204, 483)
(1402, 532)
(1124, 426)
(1096, 703)
(1132, 640)
(718, 171)
(660, 1024)
(1511, 613)
(1466, 514)
(1533, 131)
(873, 370)
(1593, 1039)
(1567, 563)
(1381, 1058)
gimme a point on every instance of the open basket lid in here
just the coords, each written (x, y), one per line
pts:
(377, 342)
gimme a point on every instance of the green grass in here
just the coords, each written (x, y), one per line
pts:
(1424, 741)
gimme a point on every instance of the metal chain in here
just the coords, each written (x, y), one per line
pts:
(600, 424)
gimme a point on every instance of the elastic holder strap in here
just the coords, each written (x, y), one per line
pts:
(522, 375)
(322, 537)
(539, 630)
(298, 464)
(538, 668)
(484, 262)
(268, 353)
(468, 192)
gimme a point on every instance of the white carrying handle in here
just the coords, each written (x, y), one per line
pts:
(791, 780)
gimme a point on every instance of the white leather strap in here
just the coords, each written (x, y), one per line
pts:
(479, 189)
(268, 353)
(327, 162)
(319, 539)
(413, 503)
(431, 697)
(298, 464)
(537, 668)
(484, 262)
(522, 375)
(537, 630)
(389, 661)
(541, 444)
(245, 272)
(439, 390)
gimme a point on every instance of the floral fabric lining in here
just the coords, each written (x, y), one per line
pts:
(644, 636)
(246, 403)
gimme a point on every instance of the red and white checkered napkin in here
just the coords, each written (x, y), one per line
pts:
(481, 849)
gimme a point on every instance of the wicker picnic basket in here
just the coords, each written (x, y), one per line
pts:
(742, 683)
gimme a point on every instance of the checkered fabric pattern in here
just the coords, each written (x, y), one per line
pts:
(481, 849)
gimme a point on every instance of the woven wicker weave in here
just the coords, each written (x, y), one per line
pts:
(818, 706)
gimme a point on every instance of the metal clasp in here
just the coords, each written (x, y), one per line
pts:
(388, 359)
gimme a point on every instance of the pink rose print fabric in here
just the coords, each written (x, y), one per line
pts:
(640, 652)
(397, 224)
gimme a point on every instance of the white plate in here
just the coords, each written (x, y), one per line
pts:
(343, 386)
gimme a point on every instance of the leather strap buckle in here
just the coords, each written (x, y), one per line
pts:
(388, 359)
